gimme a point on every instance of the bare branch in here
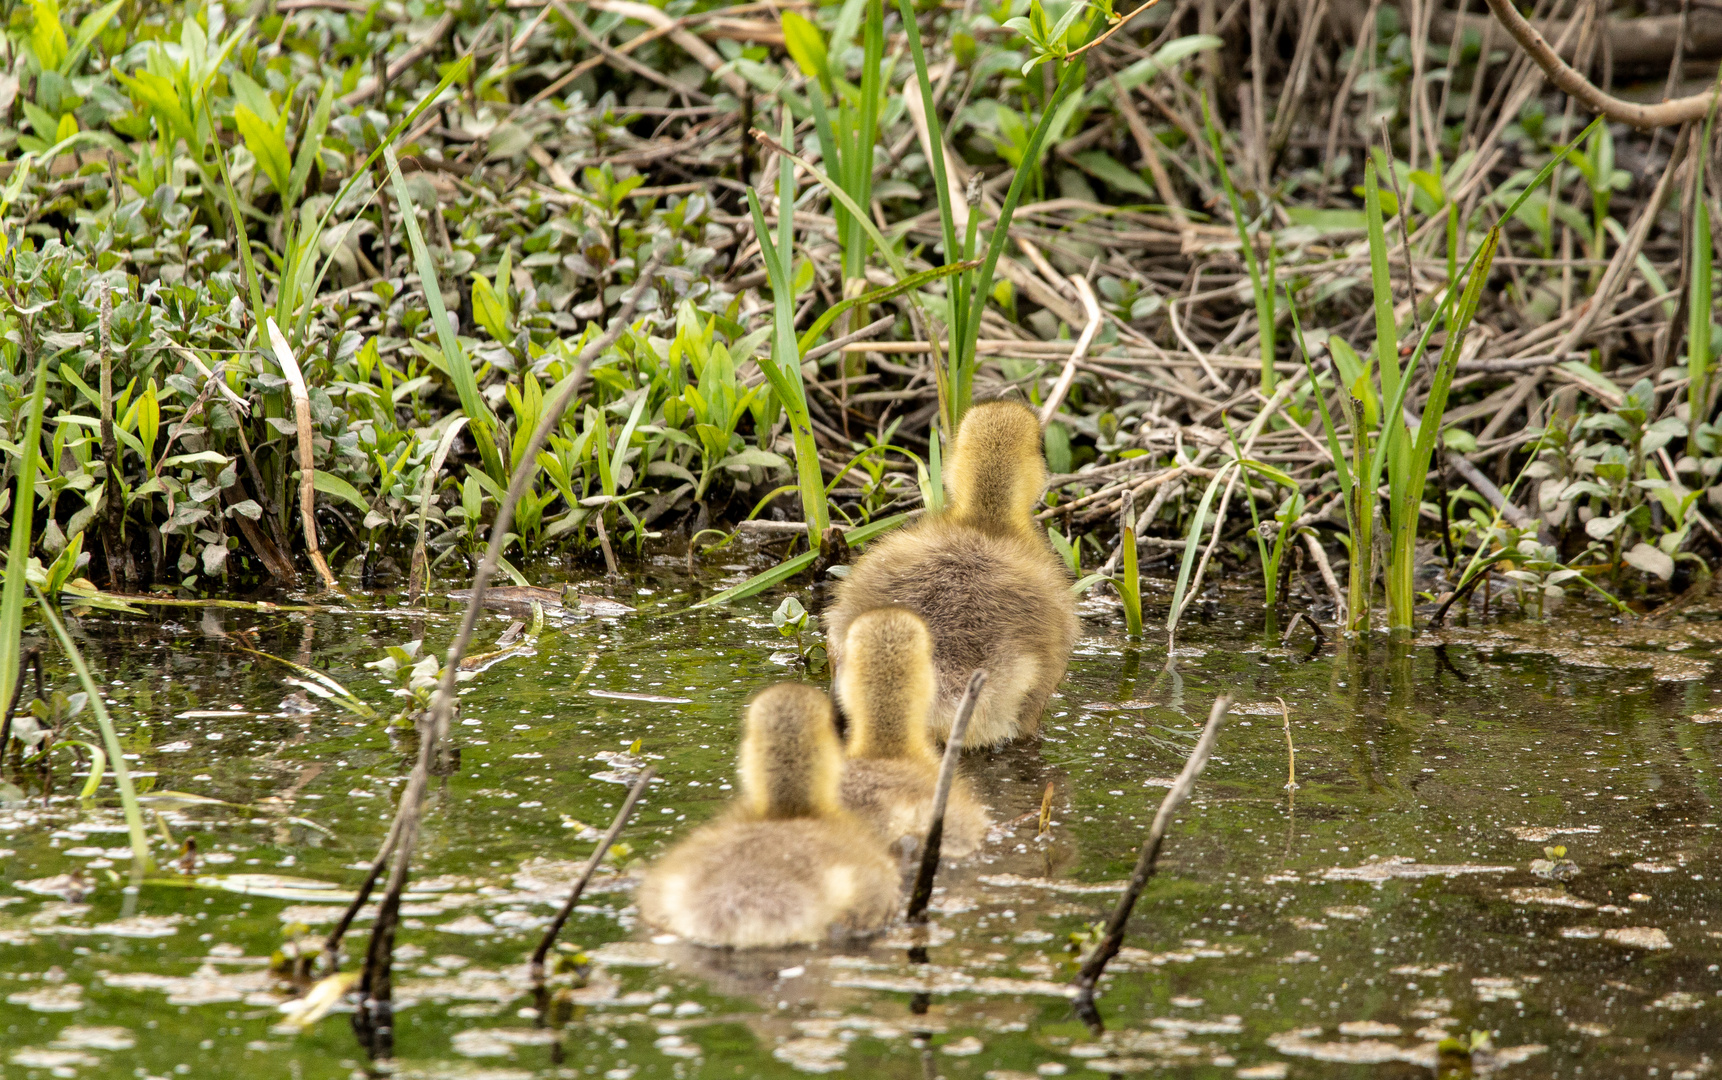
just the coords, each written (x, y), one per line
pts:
(1644, 117)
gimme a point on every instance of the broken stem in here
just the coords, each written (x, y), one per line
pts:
(923, 892)
(598, 853)
(1146, 861)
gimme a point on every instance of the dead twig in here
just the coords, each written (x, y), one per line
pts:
(554, 930)
(1644, 117)
(1112, 939)
(923, 891)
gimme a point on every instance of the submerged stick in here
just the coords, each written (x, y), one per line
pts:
(923, 893)
(332, 944)
(1113, 939)
(556, 924)
(373, 1021)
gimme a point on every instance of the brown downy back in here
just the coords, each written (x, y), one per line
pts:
(997, 470)
(791, 761)
(886, 685)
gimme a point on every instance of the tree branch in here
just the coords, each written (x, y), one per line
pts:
(1643, 117)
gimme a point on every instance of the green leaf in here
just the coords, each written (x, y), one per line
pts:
(267, 144)
(330, 484)
(806, 47)
(753, 457)
(1109, 169)
(47, 37)
(488, 310)
(457, 363)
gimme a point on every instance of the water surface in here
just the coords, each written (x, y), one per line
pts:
(1409, 888)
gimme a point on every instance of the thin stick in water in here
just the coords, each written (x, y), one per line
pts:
(556, 924)
(1291, 751)
(1113, 939)
(373, 1022)
(923, 892)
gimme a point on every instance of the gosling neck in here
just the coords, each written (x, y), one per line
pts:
(993, 507)
(782, 783)
(891, 726)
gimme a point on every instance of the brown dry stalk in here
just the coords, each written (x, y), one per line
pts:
(1644, 117)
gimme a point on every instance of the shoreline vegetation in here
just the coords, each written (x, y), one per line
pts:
(1377, 303)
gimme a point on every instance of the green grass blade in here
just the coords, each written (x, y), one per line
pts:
(860, 216)
(1381, 286)
(1069, 81)
(941, 183)
(1339, 464)
(1459, 324)
(456, 72)
(913, 281)
(1698, 332)
(122, 775)
(1192, 541)
(23, 532)
(458, 364)
(786, 570)
(1129, 575)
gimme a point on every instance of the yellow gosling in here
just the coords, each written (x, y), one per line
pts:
(886, 689)
(786, 864)
(982, 575)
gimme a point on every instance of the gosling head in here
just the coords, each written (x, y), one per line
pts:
(997, 471)
(791, 761)
(886, 685)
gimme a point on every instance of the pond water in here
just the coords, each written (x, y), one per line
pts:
(1342, 929)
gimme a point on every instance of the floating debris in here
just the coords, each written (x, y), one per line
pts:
(206, 986)
(812, 1055)
(1678, 1001)
(60, 1062)
(1368, 1029)
(1350, 912)
(946, 981)
(1073, 888)
(622, 695)
(1542, 834)
(1406, 869)
(1498, 988)
(1301, 1043)
(78, 1037)
(498, 1042)
(1548, 897)
(52, 998)
(1638, 937)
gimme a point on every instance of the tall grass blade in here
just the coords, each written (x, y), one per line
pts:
(456, 363)
(1129, 578)
(23, 532)
(788, 569)
(418, 577)
(1702, 312)
(783, 368)
(122, 775)
(1192, 541)
(967, 300)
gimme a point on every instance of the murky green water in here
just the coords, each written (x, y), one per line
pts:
(1394, 903)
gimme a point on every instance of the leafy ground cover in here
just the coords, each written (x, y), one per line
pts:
(1220, 249)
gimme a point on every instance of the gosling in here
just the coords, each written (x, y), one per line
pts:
(786, 864)
(886, 690)
(991, 589)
